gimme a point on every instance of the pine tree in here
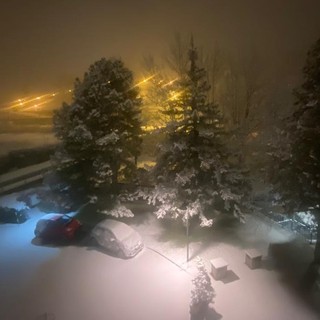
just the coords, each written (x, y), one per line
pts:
(297, 166)
(99, 132)
(194, 173)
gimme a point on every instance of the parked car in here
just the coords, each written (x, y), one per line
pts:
(57, 227)
(117, 238)
(11, 215)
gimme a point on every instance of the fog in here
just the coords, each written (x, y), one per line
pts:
(45, 45)
(17, 141)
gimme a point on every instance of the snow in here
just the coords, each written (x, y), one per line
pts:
(307, 218)
(19, 258)
(119, 211)
(11, 201)
(80, 133)
(111, 138)
(202, 291)
(112, 234)
(77, 282)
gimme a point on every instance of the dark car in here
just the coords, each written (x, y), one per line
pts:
(57, 227)
(11, 215)
(118, 238)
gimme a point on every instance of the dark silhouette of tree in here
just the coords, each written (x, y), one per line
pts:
(296, 176)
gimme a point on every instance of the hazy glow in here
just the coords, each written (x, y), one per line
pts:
(35, 106)
(36, 103)
(39, 102)
(31, 54)
(174, 95)
(169, 83)
(144, 81)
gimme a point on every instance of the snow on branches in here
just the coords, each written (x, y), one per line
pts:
(202, 291)
(100, 131)
(111, 138)
(118, 211)
(194, 173)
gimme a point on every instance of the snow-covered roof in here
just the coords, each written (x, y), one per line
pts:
(120, 230)
(51, 216)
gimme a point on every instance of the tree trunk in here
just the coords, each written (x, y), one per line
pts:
(136, 161)
(114, 185)
(187, 232)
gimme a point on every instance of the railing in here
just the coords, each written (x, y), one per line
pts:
(16, 179)
(292, 225)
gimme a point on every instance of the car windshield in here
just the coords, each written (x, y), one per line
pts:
(64, 219)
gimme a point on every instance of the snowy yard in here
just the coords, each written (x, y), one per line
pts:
(81, 283)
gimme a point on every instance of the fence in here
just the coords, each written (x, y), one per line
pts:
(14, 180)
(309, 233)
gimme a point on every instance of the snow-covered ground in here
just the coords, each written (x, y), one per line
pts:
(260, 294)
(81, 283)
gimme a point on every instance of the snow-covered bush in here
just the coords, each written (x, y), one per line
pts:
(202, 292)
(307, 218)
(29, 198)
(118, 211)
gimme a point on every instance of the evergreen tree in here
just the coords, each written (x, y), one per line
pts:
(202, 293)
(99, 132)
(296, 177)
(194, 174)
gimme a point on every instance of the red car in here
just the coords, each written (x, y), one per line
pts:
(58, 227)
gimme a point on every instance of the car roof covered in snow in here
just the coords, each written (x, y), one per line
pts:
(120, 230)
(51, 216)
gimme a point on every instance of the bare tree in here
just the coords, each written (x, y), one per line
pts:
(231, 101)
(242, 92)
(177, 58)
(252, 77)
(215, 67)
(157, 94)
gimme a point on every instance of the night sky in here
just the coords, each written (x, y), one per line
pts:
(46, 44)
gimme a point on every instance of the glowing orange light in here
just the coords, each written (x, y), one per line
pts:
(36, 106)
(26, 103)
(174, 95)
(144, 81)
(170, 83)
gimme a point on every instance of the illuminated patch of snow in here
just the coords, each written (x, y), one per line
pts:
(82, 283)
(11, 201)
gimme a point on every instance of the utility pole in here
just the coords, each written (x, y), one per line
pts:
(187, 231)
